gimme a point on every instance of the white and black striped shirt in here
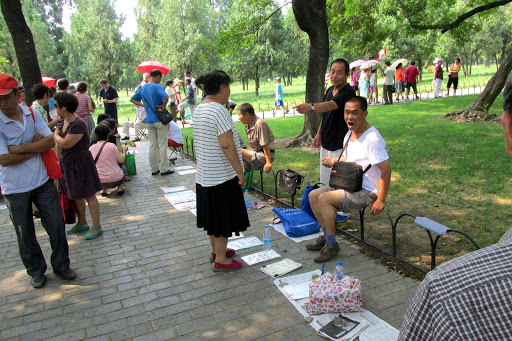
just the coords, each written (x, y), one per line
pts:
(210, 121)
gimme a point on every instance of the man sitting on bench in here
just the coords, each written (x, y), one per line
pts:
(260, 139)
(365, 147)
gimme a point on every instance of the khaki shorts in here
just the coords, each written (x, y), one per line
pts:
(353, 202)
(258, 160)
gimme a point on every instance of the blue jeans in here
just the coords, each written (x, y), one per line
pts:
(20, 209)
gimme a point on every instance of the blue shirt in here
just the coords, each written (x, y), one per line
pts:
(154, 94)
(30, 174)
(279, 92)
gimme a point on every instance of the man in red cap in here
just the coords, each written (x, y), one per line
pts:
(24, 180)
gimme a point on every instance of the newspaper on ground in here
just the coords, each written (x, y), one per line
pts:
(183, 167)
(259, 257)
(179, 197)
(280, 268)
(194, 211)
(280, 228)
(342, 327)
(185, 206)
(296, 289)
(3, 207)
(174, 189)
(244, 243)
(188, 171)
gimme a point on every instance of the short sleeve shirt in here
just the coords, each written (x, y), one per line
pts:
(210, 121)
(369, 149)
(454, 69)
(411, 73)
(334, 126)
(109, 94)
(279, 92)
(30, 174)
(259, 135)
(107, 166)
(190, 91)
(152, 95)
(174, 132)
(388, 80)
(170, 92)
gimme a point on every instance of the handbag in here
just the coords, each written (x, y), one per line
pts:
(289, 180)
(347, 175)
(296, 222)
(328, 294)
(50, 159)
(164, 116)
(304, 203)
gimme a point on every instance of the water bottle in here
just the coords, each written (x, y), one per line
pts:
(267, 239)
(339, 271)
(247, 200)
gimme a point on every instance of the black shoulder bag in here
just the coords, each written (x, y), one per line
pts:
(164, 116)
(347, 175)
(289, 180)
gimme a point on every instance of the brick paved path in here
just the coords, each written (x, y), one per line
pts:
(148, 277)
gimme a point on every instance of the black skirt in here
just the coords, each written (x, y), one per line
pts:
(221, 209)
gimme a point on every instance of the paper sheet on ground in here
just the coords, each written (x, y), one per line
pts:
(174, 189)
(280, 228)
(194, 211)
(179, 197)
(183, 167)
(185, 206)
(3, 207)
(259, 257)
(245, 243)
(188, 171)
(280, 268)
(377, 329)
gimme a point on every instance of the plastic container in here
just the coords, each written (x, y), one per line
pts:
(339, 270)
(130, 164)
(247, 200)
(267, 239)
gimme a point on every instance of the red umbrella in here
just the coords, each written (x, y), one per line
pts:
(150, 65)
(48, 81)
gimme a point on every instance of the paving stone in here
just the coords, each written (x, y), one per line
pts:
(161, 335)
(20, 330)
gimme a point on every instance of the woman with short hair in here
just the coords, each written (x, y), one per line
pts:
(85, 106)
(221, 208)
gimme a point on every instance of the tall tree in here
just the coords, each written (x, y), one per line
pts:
(23, 44)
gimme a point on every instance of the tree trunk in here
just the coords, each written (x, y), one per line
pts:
(479, 108)
(23, 45)
(257, 81)
(311, 18)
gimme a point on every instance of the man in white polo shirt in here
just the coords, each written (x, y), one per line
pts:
(24, 180)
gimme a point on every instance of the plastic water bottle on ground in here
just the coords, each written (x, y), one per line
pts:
(339, 270)
(267, 239)
(247, 200)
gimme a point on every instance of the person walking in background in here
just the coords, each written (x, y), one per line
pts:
(80, 180)
(453, 77)
(399, 82)
(354, 80)
(388, 74)
(85, 106)
(411, 75)
(24, 181)
(110, 98)
(364, 83)
(279, 98)
(438, 77)
(220, 173)
(373, 87)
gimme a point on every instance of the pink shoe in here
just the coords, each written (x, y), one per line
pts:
(229, 253)
(235, 264)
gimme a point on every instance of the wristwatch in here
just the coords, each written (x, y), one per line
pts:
(312, 107)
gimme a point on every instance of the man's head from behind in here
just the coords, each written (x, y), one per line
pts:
(8, 93)
(387, 63)
(356, 110)
(187, 74)
(339, 72)
(104, 84)
(40, 92)
(63, 84)
(245, 113)
(156, 76)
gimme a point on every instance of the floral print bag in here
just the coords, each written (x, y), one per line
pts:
(328, 294)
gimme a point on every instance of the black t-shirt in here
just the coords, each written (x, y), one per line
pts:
(334, 127)
(110, 94)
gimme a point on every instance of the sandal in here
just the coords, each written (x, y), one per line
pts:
(104, 194)
(235, 264)
(95, 232)
(229, 253)
(127, 178)
(77, 228)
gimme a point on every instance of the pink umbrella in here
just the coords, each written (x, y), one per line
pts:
(48, 81)
(150, 65)
(369, 64)
(357, 63)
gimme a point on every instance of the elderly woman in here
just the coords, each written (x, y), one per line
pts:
(85, 106)
(107, 158)
(80, 179)
(220, 203)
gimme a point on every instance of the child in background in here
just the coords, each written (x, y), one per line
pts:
(373, 88)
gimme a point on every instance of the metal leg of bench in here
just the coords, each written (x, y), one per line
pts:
(361, 218)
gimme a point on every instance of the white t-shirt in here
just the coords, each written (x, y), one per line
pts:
(370, 148)
(174, 133)
(210, 121)
(388, 80)
(172, 95)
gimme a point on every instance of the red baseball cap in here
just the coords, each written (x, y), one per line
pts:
(7, 84)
